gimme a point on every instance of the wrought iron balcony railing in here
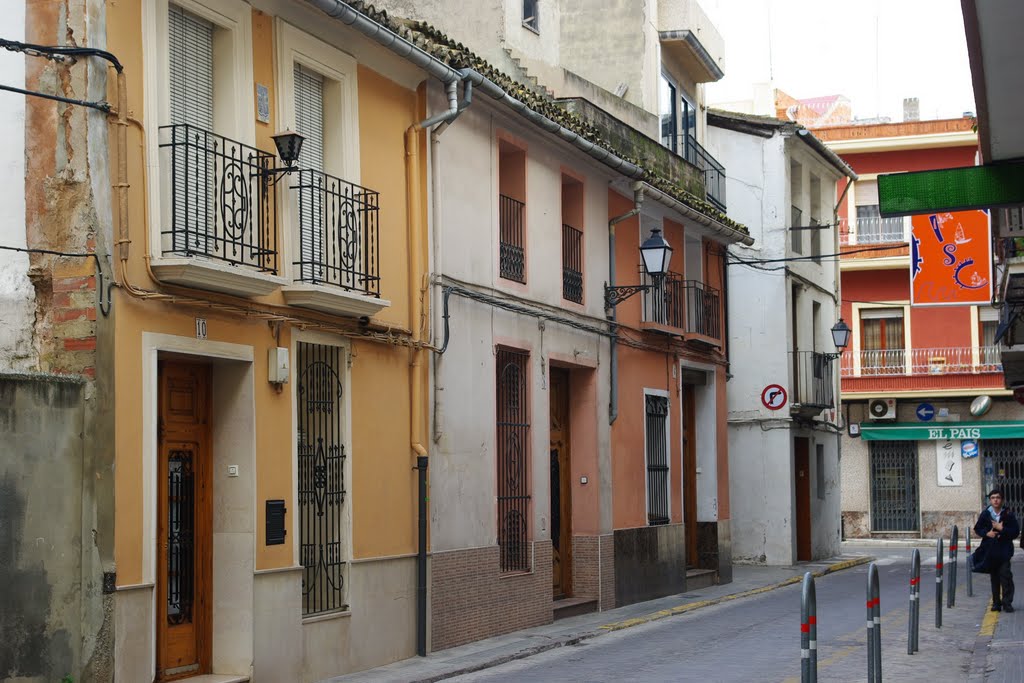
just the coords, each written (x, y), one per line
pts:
(220, 206)
(572, 264)
(703, 309)
(338, 233)
(813, 379)
(512, 256)
(922, 361)
(664, 303)
(714, 172)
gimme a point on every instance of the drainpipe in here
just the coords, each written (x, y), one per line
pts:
(725, 312)
(613, 381)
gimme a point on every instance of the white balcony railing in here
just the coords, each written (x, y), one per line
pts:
(932, 361)
(874, 230)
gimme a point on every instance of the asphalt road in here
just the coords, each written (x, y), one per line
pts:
(757, 638)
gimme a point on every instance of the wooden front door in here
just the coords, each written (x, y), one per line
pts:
(561, 491)
(184, 533)
(802, 465)
(689, 475)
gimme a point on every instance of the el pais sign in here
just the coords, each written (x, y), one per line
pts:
(939, 432)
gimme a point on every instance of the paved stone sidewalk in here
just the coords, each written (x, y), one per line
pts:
(747, 580)
(999, 648)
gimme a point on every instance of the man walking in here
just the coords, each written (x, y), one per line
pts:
(998, 527)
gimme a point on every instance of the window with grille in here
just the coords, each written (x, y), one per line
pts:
(321, 472)
(511, 212)
(894, 486)
(513, 450)
(656, 447)
(883, 346)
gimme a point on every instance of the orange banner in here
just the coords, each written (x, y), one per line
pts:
(950, 259)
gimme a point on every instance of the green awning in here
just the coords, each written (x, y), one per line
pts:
(933, 431)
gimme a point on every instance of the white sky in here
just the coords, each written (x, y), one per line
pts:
(876, 52)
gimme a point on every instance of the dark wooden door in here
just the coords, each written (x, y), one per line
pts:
(802, 466)
(561, 490)
(184, 533)
(689, 475)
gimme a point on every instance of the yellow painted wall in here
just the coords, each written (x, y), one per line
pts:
(383, 486)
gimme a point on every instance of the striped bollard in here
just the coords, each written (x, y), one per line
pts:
(967, 562)
(808, 631)
(914, 621)
(954, 542)
(938, 583)
(874, 622)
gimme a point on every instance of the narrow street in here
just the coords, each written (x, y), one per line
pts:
(757, 638)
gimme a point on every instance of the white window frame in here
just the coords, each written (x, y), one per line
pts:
(668, 451)
(858, 332)
(234, 115)
(341, 118)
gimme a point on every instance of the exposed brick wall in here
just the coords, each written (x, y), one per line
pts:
(593, 569)
(471, 599)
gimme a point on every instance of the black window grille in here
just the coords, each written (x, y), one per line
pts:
(714, 172)
(894, 486)
(1004, 469)
(657, 459)
(221, 206)
(512, 256)
(513, 434)
(181, 534)
(321, 489)
(664, 303)
(703, 309)
(813, 382)
(338, 233)
(572, 264)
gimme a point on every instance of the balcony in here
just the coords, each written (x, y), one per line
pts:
(689, 307)
(714, 172)
(687, 34)
(572, 264)
(813, 381)
(512, 253)
(337, 269)
(219, 218)
(921, 369)
(872, 230)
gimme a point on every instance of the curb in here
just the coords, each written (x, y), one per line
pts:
(979, 656)
(637, 621)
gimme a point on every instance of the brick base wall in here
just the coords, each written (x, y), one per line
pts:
(593, 569)
(471, 599)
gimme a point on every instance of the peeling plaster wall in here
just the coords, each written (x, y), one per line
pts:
(17, 297)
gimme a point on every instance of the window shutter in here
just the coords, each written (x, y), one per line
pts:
(866, 192)
(190, 41)
(309, 117)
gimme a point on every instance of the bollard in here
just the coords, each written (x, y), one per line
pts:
(970, 572)
(874, 622)
(954, 541)
(938, 583)
(808, 631)
(914, 620)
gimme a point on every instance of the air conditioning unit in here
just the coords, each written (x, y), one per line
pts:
(882, 409)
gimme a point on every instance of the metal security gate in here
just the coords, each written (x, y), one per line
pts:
(1004, 468)
(657, 460)
(894, 505)
(513, 437)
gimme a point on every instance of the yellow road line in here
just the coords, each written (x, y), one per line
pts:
(989, 623)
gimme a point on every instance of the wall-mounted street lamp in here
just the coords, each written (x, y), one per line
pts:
(840, 337)
(289, 145)
(655, 254)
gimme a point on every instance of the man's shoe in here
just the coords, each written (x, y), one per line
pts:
(997, 608)
(1007, 608)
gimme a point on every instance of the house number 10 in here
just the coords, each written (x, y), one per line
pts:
(200, 328)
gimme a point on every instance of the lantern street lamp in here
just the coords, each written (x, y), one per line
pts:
(289, 146)
(840, 337)
(655, 254)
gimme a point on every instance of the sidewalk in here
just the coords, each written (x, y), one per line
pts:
(999, 647)
(747, 580)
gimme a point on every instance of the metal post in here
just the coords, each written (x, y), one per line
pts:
(954, 541)
(808, 631)
(967, 561)
(914, 622)
(938, 583)
(874, 623)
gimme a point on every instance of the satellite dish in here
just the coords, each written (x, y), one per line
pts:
(981, 405)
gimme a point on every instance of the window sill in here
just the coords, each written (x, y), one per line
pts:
(330, 616)
(532, 29)
(202, 273)
(333, 300)
(661, 327)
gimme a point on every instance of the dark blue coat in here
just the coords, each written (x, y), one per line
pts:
(999, 549)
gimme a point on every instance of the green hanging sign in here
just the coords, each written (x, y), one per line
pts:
(932, 431)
